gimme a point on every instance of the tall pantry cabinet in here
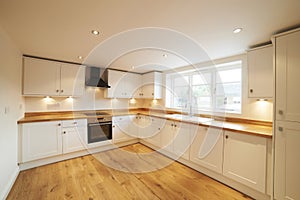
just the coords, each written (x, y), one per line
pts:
(287, 117)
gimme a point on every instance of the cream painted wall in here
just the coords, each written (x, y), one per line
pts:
(11, 101)
(251, 108)
(93, 99)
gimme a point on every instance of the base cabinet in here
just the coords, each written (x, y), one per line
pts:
(74, 135)
(287, 160)
(124, 128)
(207, 148)
(41, 140)
(245, 159)
(45, 139)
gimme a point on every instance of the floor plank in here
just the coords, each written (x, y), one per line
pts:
(87, 178)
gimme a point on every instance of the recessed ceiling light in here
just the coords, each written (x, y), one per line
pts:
(165, 55)
(237, 30)
(95, 32)
(80, 57)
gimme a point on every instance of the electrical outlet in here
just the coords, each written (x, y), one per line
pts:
(6, 110)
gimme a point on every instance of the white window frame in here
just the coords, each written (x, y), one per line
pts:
(236, 64)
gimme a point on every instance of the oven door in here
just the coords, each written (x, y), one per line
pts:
(98, 132)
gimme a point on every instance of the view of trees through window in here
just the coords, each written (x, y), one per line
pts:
(212, 89)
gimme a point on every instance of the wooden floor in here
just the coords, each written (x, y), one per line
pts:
(86, 178)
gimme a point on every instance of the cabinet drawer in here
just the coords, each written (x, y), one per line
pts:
(75, 122)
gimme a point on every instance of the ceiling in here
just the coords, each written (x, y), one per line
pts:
(135, 34)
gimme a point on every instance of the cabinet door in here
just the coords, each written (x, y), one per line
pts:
(72, 80)
(287, 77)
(41, 77)
(41, 140)
(287, 160)
(182, 140)
(152, 132)
(260, 72)
(207, 148)
(74, 135)
(167, 137)
(245, 159)
(122, 129)
(116, 88)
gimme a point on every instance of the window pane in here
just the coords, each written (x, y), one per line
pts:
(181, 81)
(201, 78)
(229, 89)
(201, 102)
(228, 103)
(230, 75)
(181, 95)
(201, 90)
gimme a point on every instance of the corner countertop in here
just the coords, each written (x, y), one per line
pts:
(241, 126)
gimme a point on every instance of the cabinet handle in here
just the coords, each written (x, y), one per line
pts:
(159, 129)
(75, 123)
(175, 125)
(280, 128)
(57, 90)
(152, 94)
(172, 124)
(280, 112)
(64, 132)
(226, 136)
(113, 126)
(62, 91)
(59, 124)
(251, 90)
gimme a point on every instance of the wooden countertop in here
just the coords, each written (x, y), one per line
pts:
(240, 125)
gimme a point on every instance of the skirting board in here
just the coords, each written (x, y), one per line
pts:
(10, 183)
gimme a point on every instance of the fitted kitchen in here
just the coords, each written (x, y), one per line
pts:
(149, 107)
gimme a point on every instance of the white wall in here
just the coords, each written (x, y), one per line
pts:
(93, 99)
(10, 98)
(251, 108)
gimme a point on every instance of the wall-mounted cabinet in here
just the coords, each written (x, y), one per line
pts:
(123, 84)
(51, 78)
(152, 85)
(132, 85)
(260, 72)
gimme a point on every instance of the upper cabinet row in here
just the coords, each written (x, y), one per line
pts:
(260, 72)
(132, 85)
(50, 78)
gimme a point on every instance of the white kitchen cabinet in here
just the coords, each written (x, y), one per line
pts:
(152, 85)
(150, 129)
(207, 148)
(182, 140)
(123, 84)
(74, 135)
(45, 139)
(260, 72)
(51, 78)
(287, 77)
(287, 160)
(245, 159)
(72, 81)
(41, 140)
(124, 129)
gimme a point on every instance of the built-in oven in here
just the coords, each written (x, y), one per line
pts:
(99, 129)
